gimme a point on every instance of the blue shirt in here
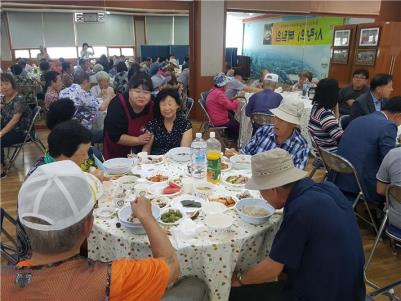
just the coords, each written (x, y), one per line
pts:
(262, 102)
(377, 103)
(265, 139)
(320, 245)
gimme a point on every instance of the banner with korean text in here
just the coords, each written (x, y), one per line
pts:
(310, 31)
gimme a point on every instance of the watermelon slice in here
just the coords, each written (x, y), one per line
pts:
(170, 190)
(173, 184)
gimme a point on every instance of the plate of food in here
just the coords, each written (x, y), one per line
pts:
(160, 201)
(225, 166)
(171, 217)
(157, 178)
(154, 159)
(127, 182)
(118, 166)
(236, 180)
(127, 219)
(228, 201)
(187, 203)
(241, 161)
(180, 154)
(254, 211)
(165, 189)
(243, 195)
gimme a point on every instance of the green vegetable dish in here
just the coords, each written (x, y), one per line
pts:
(171, 216)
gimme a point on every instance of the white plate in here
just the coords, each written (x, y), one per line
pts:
(229, 166)
(180, 154)
(160, 199)
(157, 189)
(145, 170)
(118, 166)
(127, 182)
(95, 185)
(234, 185)
(235, 199)
(176, 203)
(125, 212)
(171, 224)
(241, 161)
(155, 174)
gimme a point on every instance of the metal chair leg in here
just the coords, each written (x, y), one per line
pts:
(373, 250)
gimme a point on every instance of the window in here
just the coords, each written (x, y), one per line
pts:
(64, 52)
(114, 51)
(99, 50)
(23, 53)
(34, 53)
(127, 51)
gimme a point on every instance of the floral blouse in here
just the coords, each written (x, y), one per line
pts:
(50, 97)
(17, 105)
(164, 140)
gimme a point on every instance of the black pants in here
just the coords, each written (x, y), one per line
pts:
(271, 291)
(9, 139)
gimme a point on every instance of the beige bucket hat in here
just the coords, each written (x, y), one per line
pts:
(290, 109)
(272, 169)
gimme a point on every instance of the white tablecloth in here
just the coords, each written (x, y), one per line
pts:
(246, 125)
(210, 257)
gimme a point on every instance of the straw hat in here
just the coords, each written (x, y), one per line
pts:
(290, 109)
(272, 169)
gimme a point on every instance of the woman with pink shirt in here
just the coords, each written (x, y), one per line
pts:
(219, 106)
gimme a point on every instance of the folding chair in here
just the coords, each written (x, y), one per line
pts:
(385, 291)
(189, 106)
(207, 123)
(29, 138)
(260, 118)
(317, 161)
(341, 165)
(393, 195)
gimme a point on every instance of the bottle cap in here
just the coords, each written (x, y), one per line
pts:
(212, 135)
(198, 135)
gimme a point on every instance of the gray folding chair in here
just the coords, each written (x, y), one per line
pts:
(207, 124)
(30, 137)
(341, 165)
(393, 196)
(317, 161)
(388, 291)
(189, 106)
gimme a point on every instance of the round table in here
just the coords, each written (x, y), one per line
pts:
(209, 256)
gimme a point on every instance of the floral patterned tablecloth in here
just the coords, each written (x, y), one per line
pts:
(209, 256)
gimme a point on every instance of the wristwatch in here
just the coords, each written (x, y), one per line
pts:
(239, 277)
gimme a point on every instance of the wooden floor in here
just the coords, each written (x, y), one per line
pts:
(385, 267)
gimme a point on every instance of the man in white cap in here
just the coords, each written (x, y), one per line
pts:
(318, 244)
(55, 207)
(283, 133)
(264, 101)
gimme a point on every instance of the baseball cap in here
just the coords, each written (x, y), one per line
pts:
(271, 77)
(273, 168)
(54, 197)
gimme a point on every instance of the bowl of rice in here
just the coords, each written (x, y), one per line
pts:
(254, 211)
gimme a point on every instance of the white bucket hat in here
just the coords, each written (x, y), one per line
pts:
(290, 109)
(56, 193)
(272, 169)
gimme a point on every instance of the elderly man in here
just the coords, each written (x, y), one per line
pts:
(318, 244)
(86, 104)
(381, 87)
(55, 207)
(236, 84)
(283, 133)
(365, 142)
(265, 100)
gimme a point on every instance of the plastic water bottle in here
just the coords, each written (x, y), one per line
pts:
(305, 88)
(213, 159)
(198, 153)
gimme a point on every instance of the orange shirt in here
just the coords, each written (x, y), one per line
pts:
(134, 280)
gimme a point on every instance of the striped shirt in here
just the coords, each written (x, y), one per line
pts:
(324, 128)
(265, 139)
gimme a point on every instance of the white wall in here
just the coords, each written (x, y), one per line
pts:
(212, 33)
(5, 43)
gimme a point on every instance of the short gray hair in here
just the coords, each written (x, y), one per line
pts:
(267, 83)
(97, 68)
(102, 75)
(58, 241)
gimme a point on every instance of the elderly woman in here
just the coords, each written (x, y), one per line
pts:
(92, 77)
(323, 125)
(170, 128)
(15, 117)
(53, 86)
(102, 89)
(127, 117)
